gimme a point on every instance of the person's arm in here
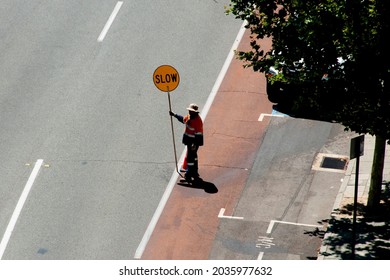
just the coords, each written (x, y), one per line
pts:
(178, 117)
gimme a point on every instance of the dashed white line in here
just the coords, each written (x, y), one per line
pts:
(19, 206)
(110, 21)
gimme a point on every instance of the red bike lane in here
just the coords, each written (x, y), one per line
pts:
(189, 222)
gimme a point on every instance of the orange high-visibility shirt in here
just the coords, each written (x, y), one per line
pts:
(193, 133)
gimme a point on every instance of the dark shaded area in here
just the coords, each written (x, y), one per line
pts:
(208, 187)
(317, 232)
(372, 232)
(314, 100)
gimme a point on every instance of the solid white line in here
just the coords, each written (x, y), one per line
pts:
(156, 216)
(289, 223)
(268, 115)
(260, 256)
(110, 21)
(19, 206)
(223, 71)
(270, 226)
(203, 114)
(222, 212)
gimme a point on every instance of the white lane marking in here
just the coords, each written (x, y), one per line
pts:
(271, 225)
(157, 214)
(260, 256)
(110, 21)
(172, 181)
(273, 114)
(19, 206)
(222, 212)
(261, 118)
(223, 71)
(265, 241)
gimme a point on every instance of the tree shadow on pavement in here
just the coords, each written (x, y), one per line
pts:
(316, 232)
(208, 187)
(372, 232)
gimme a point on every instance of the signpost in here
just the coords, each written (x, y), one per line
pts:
(357, 150)
(166, 78)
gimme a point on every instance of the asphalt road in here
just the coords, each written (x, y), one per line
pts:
(89, 109)
(287, 199)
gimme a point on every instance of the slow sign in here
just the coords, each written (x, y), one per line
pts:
(166, 78)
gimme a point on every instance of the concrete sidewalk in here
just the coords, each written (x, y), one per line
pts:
(372, 234)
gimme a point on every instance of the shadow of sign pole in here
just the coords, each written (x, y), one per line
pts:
(357, 150)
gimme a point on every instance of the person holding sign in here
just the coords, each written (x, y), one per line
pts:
(192, 138)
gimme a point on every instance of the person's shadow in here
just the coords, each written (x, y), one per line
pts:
(208, 187)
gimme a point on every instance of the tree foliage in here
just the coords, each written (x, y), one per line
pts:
(344, 39)
(339, 53)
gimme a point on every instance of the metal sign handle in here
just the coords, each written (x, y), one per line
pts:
(173, 134)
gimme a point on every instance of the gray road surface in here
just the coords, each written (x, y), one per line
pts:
(90, 110)
(287, 199)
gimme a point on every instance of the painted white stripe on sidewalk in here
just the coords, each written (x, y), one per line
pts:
(203, 114)
(110, 21)
(19, 206)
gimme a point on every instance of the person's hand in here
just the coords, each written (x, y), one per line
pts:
(171, 113)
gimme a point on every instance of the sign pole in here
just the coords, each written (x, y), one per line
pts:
(173, 132)
(166, 78)
(357, 150)
(355, 201)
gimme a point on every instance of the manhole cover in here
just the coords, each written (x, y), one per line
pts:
(330, 163)
(334, 163)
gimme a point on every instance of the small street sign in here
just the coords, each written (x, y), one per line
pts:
(357, 147)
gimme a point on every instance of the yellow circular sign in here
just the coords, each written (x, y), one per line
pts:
(166, 78)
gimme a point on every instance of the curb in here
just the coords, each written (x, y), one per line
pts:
(324, 249)
(345, 192)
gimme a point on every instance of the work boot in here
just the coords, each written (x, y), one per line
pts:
(191, 175)
(187, 177)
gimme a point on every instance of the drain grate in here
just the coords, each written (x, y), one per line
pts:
(334, 163)
(330, 162)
